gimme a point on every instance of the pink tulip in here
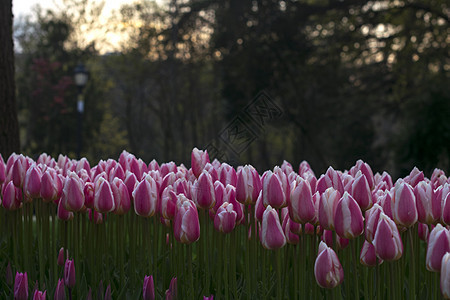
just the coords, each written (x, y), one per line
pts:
(117, 172)
(428, 206)
(61, 257)
(366, 171)
(51, 185)
(372, 218)
(445, 215)
(405, 211)
(445, 276)
(148, 292)
(122, 202)
(19, 170)
(2, 170)
(171, 293)
(291, 237)
(38, 295)
(330, 179)
(73, 193)
(63, 213)
(69, 274)
(272, 191)
(186, 224)
(32, 182)
(414, 177)
(131, 182)
(198, 161)
(361, 191)
(145, 197)
(211, 297)
(348, 219)
(272, 236)
(60, 293)
(166, 168)
(301, 204)
(438, 178)
(230, 197)
(387, 242)
(225, 218)
(438, 245)
(248, 185)
(327, 208)
(259, 208)
(368, 256)
(423, 231)
(12, 196)
(327, 268)
(103, 198)
(168, 203)
(385, 201)
(108, 293)
(153, 166)
(227, 175)
(21, 286)
(203, 193)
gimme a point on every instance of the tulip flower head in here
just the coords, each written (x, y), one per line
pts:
(272, 236)
(405, 210)
(203, 193)
(327, 207)
(38, 295)
(272, 191)
(198, 161)
(387, 242)
(186, 225)
(445, 275)
(327, 268)
(438, 245)
(225, 218)
(145, 197)
(301, 204)
(21, 286)
(348, 219)
(148, 291)
(69, 273)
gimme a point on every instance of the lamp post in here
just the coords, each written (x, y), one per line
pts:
(81, 78)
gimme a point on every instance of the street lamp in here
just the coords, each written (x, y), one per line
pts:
(81, 78)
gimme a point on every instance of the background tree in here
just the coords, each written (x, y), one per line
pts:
(9, 128)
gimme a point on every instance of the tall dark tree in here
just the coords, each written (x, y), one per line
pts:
(9, 127)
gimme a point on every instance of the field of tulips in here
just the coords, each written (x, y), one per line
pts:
(127, 230)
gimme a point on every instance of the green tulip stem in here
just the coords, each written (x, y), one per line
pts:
(355, 267)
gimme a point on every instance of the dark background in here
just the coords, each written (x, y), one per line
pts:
(344, 80)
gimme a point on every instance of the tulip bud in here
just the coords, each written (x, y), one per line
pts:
(171, 293)
(230, 197)
(186, 225)
(423, 231)
(414, 177)
(12, 196)
(2, 170)
(348, 219)
(32, 182)
(445, 276)
(211, 297)
(225, 218)
(327, 208)
(122, 202)
(248, 185)
(327, 268)
(148, 289)
(61, 257)
(368, 255)
(272, 236)
(108, 293)
(445, 215)
(259, 208)
(227, 174)
(366, 171)
(51, 186)
(361, 191)
(203, 194)
(405, 211)
(301, 204)
(60, 293)
(73, 193)
(438, 245)
(153, 166)
(272, 191)
(428, 207)
(69, 274)
(438, 178)
(387, 242)
(38, 295)
(168, 203)
(198, 161)
(19, 170)
(103, 198)
(21, 286)
(331, 179)
(62, 213)
(145, 197)
(372, 218)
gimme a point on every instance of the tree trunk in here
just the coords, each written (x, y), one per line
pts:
(9, 126)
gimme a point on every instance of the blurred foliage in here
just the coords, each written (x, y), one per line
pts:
(355, 79)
